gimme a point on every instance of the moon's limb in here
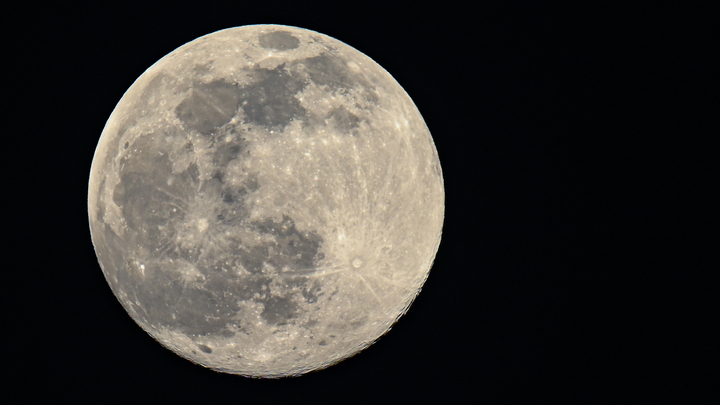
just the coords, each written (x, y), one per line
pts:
(266, 201)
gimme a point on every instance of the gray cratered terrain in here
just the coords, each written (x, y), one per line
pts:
(266, 201)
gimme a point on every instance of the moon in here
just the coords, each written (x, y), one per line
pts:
(266, 201)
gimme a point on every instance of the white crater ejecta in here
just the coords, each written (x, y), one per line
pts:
(266, 201)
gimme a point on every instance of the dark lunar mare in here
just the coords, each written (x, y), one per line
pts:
(269, 101)
(209, 106)
(279, 41)
(277, 269)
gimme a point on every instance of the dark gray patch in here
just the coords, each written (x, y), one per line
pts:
(189, 309)
(252, 184)
(160, 297)
(358, 323)
(209, 107)
(344, 120)
(278, 310)
(292, 249)
(207, 309)
(248, 287)
(312, 292)
(322, 343)
(233, 215)
(332, 71)
(204, 349)
(279, 41)
(254, 258)
(110, 250)
(294, 282)
(152, 90)
(234, 195)
(200, 70)
(146, 198)
(124, 126)
(329, 71)
(225, 152)
(144, 207)
(222, 279)
(270, 101)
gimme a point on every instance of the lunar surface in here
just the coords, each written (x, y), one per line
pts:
(266, 201)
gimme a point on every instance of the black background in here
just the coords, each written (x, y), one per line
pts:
(568, 268)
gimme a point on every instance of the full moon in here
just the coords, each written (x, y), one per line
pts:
(266, 201)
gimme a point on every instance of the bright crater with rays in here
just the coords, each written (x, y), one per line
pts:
(266, 201)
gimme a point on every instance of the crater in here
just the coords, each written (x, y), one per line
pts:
(279, 41)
